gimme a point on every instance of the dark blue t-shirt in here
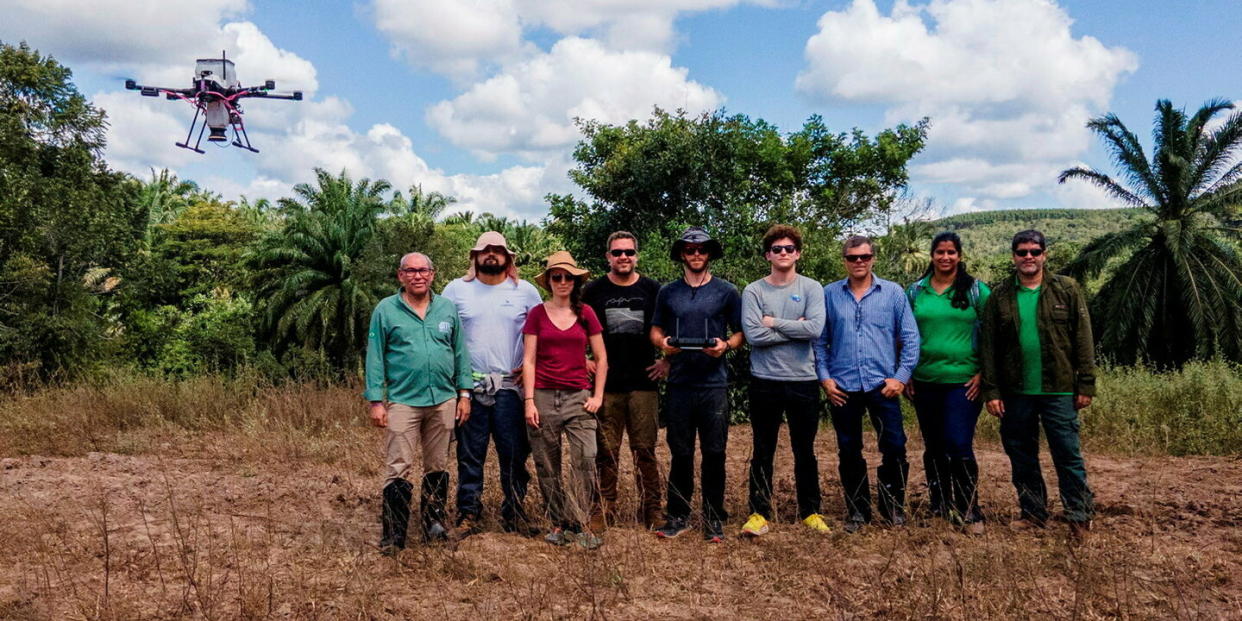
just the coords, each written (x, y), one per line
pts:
(715, 307)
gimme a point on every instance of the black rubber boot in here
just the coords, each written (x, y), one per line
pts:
(891, 495)
(395, 515)
(857, 487)
(966, 490)
(937, 471)
(431, 506)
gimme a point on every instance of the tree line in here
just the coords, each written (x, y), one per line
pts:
(99, 268)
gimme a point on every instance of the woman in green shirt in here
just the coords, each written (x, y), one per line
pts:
(948, 304)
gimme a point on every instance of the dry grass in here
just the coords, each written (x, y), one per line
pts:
(218, 501)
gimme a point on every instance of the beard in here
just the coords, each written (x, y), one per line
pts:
(697, 270)
(491, 268)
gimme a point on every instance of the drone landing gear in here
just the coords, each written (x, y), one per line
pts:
(186, 144)
(239, 134)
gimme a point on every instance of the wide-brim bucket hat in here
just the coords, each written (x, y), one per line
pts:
(491, 238)
(696, 235)
(560, 260)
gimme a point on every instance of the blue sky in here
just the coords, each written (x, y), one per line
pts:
(474, 97)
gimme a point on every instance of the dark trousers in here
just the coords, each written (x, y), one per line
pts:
(1020, 435)
(947, 421)
(798, 402)
(634, 413)
(505, 422)
(847, 420)
(703, 412)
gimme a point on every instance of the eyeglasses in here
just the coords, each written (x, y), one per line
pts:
(494, 250)
(416, 271)
(629, 252)
(858, 258)
(560, 277)
(693, 250)
(785, 248)
(1034, 252)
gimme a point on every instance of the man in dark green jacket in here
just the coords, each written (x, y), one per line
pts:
(1038, 366)
(418, 383)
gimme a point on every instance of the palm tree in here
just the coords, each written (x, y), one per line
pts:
(165, 197)
(314, 287)
(1174, 283)
(428, 205)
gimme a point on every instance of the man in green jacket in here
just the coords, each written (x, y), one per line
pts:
(418, 383)
(1038, 367)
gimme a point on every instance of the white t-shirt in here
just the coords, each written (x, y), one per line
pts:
(493, 316)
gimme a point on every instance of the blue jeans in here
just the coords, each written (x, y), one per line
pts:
(947, 421)
(847, 421)
(506, 423)
(1019, 430)
(705, 412)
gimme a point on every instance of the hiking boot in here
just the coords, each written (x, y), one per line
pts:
(521, 527)
(558, 537)
(1079, 530)
(466, 527)
(590, 540)
(713, 531)
(755, 526)
(672, 528)
(854, 522)
(816, 523)
(598, 523)
(652, 519)
(1025, 524)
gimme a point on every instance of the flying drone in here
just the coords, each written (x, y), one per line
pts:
(216, 94)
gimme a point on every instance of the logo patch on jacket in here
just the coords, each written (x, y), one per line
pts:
(445, 326)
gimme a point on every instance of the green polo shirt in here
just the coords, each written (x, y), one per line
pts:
(416, 361)
(947, 352)
(1028, 340)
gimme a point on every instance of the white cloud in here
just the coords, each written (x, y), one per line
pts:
(453, 38)
(1007, 85)
(529, 108)
(141, 132)
(458, 38)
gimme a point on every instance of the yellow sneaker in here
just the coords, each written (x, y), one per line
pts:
(816, 523)
(755, 525)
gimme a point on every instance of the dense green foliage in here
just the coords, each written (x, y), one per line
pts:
(734, 175)
(66, 221)
(1174, 287)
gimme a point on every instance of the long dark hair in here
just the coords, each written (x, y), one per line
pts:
(963, 281)
(575, 300)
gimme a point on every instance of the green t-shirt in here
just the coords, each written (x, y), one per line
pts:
(1028, 340)
(947, 336)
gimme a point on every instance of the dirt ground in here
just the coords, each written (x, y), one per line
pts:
(154, 536)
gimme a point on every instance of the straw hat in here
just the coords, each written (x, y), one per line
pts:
(560, 260)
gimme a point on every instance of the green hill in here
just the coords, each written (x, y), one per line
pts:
(987, 233)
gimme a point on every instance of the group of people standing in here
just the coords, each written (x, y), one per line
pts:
(489, 360)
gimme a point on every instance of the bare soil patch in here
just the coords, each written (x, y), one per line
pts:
(166, 534)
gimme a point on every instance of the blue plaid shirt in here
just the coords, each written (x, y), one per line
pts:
(863, 339)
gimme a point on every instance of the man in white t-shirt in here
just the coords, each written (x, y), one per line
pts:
(492, 302)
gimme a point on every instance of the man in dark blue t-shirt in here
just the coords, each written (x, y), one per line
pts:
(697, 307)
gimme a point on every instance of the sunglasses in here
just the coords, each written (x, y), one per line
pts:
(560, 277)
(629, 252)
(858, 258)
(693, 250)
(786, 248)
(1034, 252)
(416, 271)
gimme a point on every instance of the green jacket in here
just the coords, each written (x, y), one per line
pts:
(416, 361)
(1065, 341)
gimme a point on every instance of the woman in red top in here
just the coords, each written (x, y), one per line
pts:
(561, 397)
